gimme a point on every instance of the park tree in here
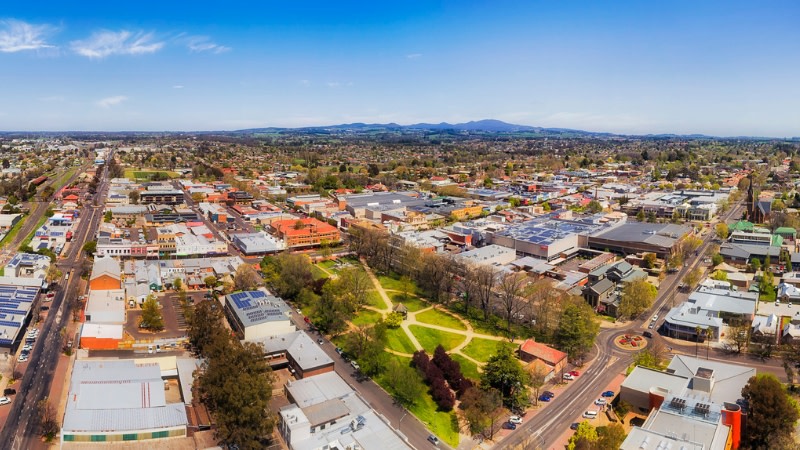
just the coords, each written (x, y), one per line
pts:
(722, 230)
(151, 314)
(738, 335)
(354, 280)
(772, 414)
(504, 373)
(483, 410)
(332, 311)
(405, 383)
(511, 289)
(287, 273)
(538, 376)
(594, 207)
(367, 343)
(48, 419)
(246, 278)
(577, 330)
(637, 297)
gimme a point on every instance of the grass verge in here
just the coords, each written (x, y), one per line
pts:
(398, 340)
(468, 368)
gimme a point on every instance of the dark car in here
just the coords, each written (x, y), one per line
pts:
(545, 398)
(549, 394)
(574, 426)
(608, 394)
(9, 391)
(433, 439)
(45, 308)
(509, 426)
(647, 334)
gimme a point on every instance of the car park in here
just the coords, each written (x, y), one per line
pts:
(515, 420)
(608, 394)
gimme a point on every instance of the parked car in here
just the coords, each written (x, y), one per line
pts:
(545, 398)
(600, 402)
(509, 426)
(574, 425)
(5, 401)
(9, 391)
(574, 373)
(568, 377)
(22, 358)
(433, 439)
(339, 350)
(549, 394)
(45, 308)
(355, 365)
(608, 394)
(517, 420)
(27, 348)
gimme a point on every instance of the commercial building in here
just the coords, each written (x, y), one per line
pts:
(551, 360)
(256, 314)
(545, 238)
(709, 309)
(638, 237)
(114, 401)
(16, 300)
(326, 413)
(691, 405)
(159, 197)
(309, 232)
(298, 352)
(257, 243)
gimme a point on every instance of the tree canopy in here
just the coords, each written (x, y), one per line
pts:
(637, 297)
(772, 414)
(577, 329)
(504, 373)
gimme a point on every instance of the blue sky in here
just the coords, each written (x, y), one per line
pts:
(714, 67)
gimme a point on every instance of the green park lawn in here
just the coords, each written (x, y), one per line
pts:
(318, 273)
(394, 284)
(398, 340)
(468, 368)
(436, 317)
(413, 304)
(442, 424)
(480, 349)
(146, 173)
(366, 317)
(374, 299)
(429, 338)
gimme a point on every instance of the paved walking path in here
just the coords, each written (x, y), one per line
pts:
(411, 319)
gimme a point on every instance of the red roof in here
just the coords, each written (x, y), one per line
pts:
(543, 352)
(287, 227)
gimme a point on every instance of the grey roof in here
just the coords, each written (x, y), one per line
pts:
(312, 390)
(303, 350)
(746, 251)
(382, 198)
(729, 379)
(642, 379)
(326, 411)
(545, 231)
(186, 369)
(662, 235)
(113, 396)
(256, 307)
(602, 286)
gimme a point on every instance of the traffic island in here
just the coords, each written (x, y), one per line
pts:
(630, 342)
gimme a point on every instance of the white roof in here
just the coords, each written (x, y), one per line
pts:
(101, 330)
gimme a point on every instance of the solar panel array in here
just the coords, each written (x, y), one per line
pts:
(545, 232)
(15, 304)
(257, 306)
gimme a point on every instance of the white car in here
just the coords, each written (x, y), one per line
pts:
(5, 401)
(27, 347)
(600, 402)
(568, 377)
(22, 358)
(516, 420)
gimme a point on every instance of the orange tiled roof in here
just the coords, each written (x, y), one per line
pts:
(543, 352)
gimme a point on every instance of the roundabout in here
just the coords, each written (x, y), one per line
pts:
(630, 342)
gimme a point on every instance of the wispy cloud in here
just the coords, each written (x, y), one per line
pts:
(177, 86)
(333, 84)
(17, 36)
(106, 43)
(108, 102)
(414, 56)
(200, 44)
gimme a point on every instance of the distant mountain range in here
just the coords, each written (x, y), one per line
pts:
(486, 125)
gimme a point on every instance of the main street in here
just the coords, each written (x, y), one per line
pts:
(21, 429)
(609, 361)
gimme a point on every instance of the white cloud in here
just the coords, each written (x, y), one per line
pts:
(333, 84)
(414, 56)
(177, 86)
(111, 101)
(106, 43)
(200, 44)
(17, 36)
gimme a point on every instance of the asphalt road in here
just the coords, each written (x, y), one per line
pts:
(410, 427)
(543, 429)
(21, 429)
